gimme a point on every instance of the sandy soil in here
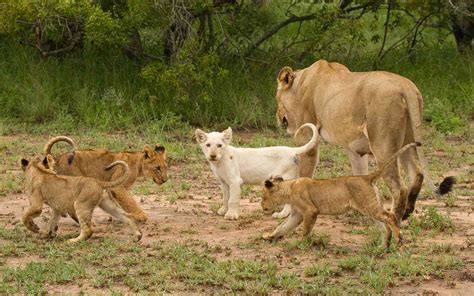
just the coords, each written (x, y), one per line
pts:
(193, 218)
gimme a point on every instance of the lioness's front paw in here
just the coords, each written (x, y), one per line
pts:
(222, 210)
(232, 214)
(140, 218)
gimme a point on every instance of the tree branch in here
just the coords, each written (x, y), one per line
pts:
(293, 19)
(275, 29)
(384, 37)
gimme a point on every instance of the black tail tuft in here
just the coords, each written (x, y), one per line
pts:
(447, 185)
(418, 144)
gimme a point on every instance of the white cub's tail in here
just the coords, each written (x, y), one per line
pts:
(308, 146)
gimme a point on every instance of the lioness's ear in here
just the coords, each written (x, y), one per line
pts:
(24, 164)
(160, 148)
(201, 136)
(227, 135)
(268, 184)
(285, 78)
(147, 151)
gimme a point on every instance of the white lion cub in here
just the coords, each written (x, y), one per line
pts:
(235, 166)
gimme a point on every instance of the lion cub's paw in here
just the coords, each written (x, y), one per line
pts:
(267, 236)
(49, 234)
(33, 227)
(73, 240)
(221, 211)
(138, 236)
(232, 214)
(280, 215)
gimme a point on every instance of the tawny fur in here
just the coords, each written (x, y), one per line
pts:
(310, 198)
(364, 112)
(149, 163)
(77, 196)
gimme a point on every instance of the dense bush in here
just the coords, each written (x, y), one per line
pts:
(114, 64)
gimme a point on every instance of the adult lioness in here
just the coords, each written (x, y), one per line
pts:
(364, 112)
(91, 162)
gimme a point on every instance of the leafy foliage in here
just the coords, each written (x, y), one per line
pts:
(215, 58)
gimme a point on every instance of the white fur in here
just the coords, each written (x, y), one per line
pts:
(236, 166)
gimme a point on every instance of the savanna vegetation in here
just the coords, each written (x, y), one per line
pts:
(122, 73)
(121, 63)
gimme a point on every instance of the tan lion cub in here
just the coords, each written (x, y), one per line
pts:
(76, 196)
(310, 198)
(149, 163)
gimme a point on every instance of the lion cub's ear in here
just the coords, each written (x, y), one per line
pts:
(268, 184)
(24, 164)
(201, 136)
(147, 151)
(285, 78)
(160, 148)
(50, 161)
(227, 135)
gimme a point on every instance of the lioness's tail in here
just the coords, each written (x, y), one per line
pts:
(119, 181)
(49, 145)
(378, 173)
(308, 146)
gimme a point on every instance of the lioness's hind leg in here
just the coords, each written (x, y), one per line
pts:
(415, 173)
(110, 207)
(126, 201)
(386, 136)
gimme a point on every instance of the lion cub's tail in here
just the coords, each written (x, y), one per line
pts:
(377, 174)
(49, 145)
(119, 181)
(308, 146)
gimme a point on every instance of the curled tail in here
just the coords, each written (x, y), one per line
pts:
(49, 145)
(308, 146)
(378, 173)
(119, 181)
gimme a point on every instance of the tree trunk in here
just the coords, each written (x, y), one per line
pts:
(463, 30)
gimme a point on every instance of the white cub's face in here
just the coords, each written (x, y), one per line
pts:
(213, 144)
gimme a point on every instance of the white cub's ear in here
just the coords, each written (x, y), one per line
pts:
(201, 136)
(227, 135)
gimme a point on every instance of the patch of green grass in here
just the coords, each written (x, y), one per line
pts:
(319, 241)
(430, 219)
(32, 277)
(450, 200)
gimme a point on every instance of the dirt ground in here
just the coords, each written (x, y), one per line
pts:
(190, 216)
